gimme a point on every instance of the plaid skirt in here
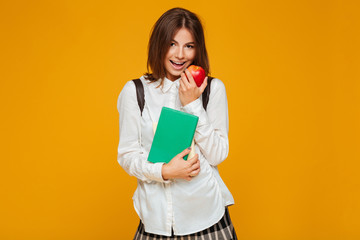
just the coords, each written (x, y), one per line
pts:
(222, 230)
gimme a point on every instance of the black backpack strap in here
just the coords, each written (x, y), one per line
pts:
(206, 93)
(140, 94)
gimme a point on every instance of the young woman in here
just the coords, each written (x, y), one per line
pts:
(182, 198)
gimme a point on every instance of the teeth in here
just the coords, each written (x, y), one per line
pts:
(179, 63)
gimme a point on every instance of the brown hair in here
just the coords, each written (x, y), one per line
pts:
(162, 34)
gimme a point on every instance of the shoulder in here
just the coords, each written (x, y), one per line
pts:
(150, 83)
(130, 88)
(128, 92)
(217, 85)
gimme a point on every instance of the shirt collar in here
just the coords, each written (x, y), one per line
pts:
(168, 84)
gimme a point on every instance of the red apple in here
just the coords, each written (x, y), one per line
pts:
(198, 74)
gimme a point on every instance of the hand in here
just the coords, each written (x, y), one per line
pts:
(179, 168)
(188, 91)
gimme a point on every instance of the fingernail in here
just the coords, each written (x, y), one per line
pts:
(189, 148)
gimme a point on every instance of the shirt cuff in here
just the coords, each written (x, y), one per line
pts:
(193, 108)
(196, 108)
(158, 174)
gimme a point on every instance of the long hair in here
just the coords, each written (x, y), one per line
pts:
(162, 34)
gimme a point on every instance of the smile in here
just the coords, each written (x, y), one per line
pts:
(177, 65)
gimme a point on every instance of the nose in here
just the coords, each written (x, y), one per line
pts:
(179, 53)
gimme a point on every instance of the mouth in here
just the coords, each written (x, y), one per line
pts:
(177, 65)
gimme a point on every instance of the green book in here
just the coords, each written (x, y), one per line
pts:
(174, 133)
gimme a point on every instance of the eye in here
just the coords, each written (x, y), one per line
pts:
(172, 44)
(190, 46)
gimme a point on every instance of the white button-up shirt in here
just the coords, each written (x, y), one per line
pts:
(185, 206)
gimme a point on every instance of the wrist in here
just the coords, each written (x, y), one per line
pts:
(185, 103)
(164, 172)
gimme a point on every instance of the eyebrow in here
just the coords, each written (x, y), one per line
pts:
(185, 43)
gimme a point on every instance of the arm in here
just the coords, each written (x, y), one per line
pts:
(211, 134)
(130, 155)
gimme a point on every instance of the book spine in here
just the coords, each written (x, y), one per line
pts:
(192, 153)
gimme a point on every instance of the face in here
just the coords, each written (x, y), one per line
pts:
(180, 54)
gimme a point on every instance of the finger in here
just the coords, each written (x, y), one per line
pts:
(182, 86)
(203, 85)
(185, 80)
(195, 172)
(190, 77)
(195, 166)
(183, 83)
(184, 153)
(193, 160)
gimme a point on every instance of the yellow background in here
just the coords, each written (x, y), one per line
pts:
(291, 69)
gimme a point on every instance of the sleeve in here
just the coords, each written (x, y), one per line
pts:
(211, 134)
(130, 154)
